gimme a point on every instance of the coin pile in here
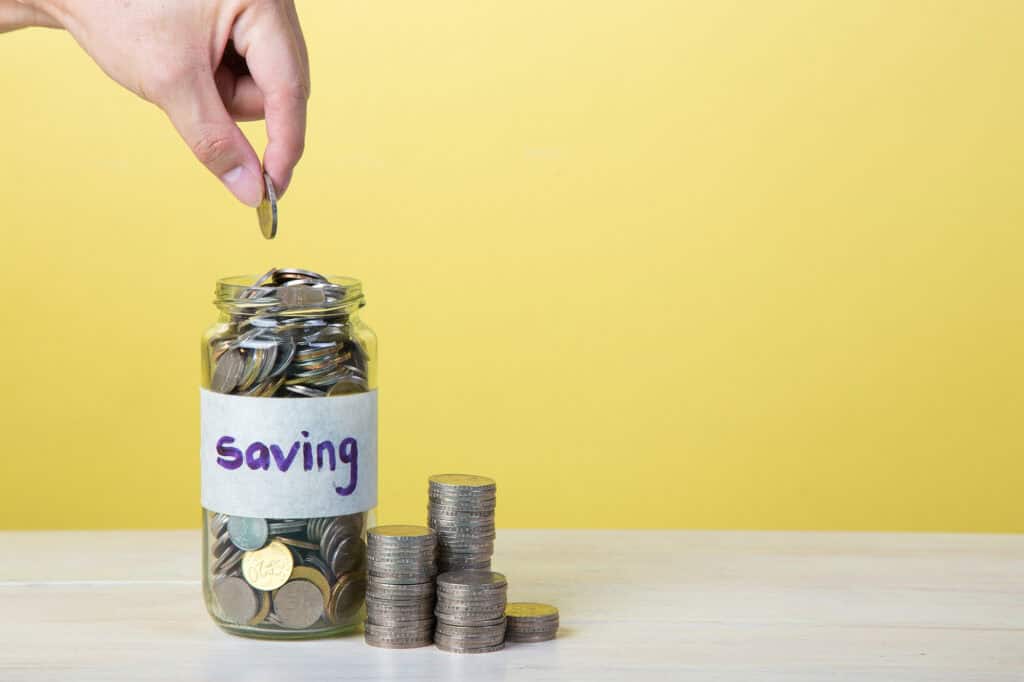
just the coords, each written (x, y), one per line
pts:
(286, 574)
(400, 593)
(461, 509)
(530, 622)
(470, 611)
(287, 337)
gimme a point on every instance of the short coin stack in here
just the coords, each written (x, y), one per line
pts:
(530, 622)
(461, 510)
(470, 611)
(400, 590)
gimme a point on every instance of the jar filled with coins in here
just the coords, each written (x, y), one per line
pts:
(288, 454)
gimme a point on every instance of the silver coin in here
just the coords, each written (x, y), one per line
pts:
(298, 604)
(472, 580)
(237, 601)
(228, 372)
(267, 210)
(248, 533)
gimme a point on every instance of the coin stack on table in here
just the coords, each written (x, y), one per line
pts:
(530, 622)
(287, 574)
(461, 509)
(470, 611)
(400, 592)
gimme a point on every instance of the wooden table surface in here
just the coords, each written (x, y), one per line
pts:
(635, 606)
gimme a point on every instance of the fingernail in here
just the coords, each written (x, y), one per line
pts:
(245, 185)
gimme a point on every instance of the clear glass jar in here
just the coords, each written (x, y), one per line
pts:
(288, 454)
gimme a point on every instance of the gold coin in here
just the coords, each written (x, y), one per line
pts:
(314, 576)
(268, 569)
(401, 531)
(347, 597)
(297, 543)
(529, 609)
(263, 610)
(267, 210)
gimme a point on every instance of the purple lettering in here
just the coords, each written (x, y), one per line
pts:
(284, 463)
(307, 454)
(320, 448)
(227, 456)
(257, 456)
(348, 453)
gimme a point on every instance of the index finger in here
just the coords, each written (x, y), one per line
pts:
(273, 48)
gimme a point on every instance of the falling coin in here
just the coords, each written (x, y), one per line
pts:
(267, 210)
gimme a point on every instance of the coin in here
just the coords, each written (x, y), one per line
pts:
(400, 533)
(314, 576)
(346, 597)
(268, 568)
(228, 372)
(530, 622)
(298, 604)
(247, 533)
(263, 610)
(267, 210)
(237, 601)
(463, 481)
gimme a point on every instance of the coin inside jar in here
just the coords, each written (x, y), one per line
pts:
(347, 597)
(247, 533)
(236, 599)
(298, 604)
(268, 568)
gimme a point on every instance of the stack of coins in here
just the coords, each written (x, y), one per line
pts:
(530, 622)
(400, 591)
(470, 612)
(461, 510)
(286, 574)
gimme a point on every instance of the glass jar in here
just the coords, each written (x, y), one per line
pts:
(288, 454)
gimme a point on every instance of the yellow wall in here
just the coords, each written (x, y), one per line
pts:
(670, 264)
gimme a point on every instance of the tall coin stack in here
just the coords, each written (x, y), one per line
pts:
(400, 587)
(461, 510)
(470, 612)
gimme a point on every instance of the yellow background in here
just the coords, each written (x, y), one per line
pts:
(649, 264)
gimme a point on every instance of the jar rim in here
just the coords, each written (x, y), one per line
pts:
(229, 292)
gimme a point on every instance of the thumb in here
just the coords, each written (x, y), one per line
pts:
(197, 112)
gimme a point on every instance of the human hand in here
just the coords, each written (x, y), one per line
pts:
(207, 64)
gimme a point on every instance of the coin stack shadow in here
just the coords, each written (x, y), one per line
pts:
(461, 510)
(400, 589)
(470, 612)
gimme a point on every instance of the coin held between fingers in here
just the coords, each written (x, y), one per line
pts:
(267, 210)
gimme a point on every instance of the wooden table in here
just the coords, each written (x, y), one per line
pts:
(635, 605)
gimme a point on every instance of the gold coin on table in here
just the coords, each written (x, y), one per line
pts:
(528, 609)
(269, 568)
(267, 210)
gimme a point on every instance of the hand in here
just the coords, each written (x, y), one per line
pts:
(207, 64)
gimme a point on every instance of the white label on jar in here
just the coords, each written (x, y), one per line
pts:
(288, 457)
